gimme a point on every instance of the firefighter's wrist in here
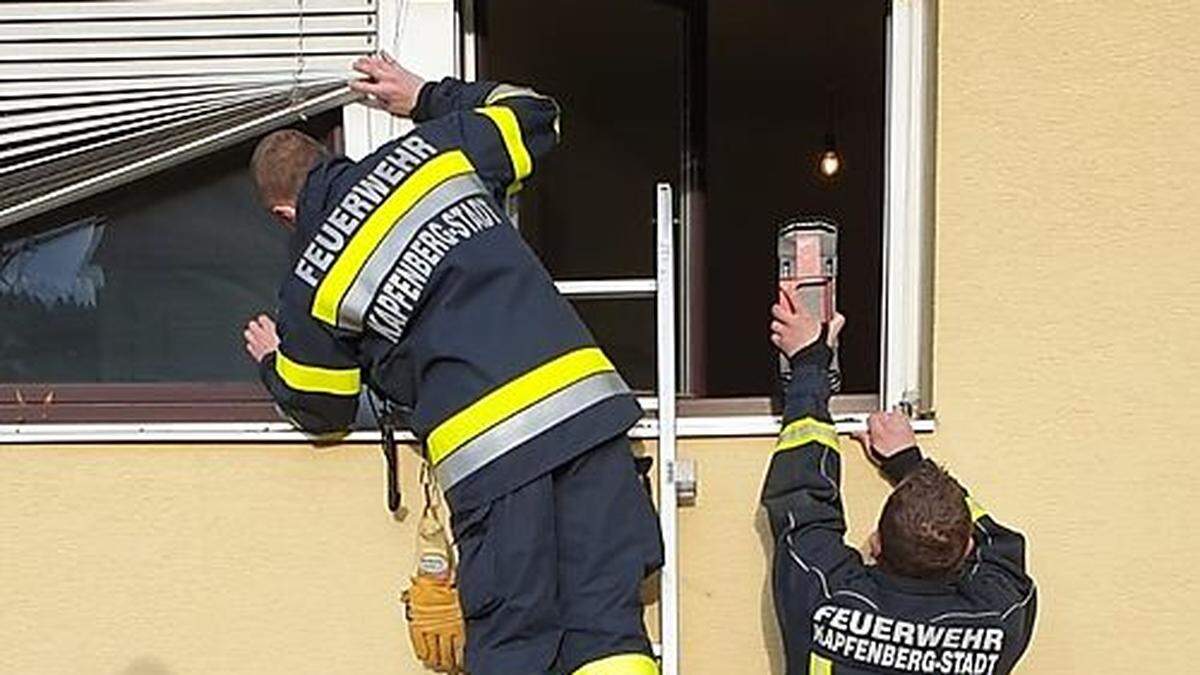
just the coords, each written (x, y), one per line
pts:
(816, 354)
(266, 364)
(899, 464)
(421, 108)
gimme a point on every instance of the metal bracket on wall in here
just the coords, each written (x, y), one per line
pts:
(683, 474)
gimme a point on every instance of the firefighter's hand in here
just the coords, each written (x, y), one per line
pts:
(794, 328)
(261, 337)
(435, 624)
(887, 434)
(388, 85)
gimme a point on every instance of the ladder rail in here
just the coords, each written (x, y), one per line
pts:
(666, 388)
(608, 289)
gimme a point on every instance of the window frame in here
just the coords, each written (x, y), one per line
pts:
(906, 368)
(906, 349)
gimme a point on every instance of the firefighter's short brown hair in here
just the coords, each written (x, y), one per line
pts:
(280, 163)
(925, 525)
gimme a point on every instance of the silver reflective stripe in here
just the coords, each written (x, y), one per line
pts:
(503, 91)
(506, 91)
(530, 422)
(379, 264)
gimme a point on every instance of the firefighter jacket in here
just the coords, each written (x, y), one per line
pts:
(839, 615)
(407, 276)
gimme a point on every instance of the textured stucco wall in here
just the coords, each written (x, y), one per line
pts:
(1067, 287)
(172, 560)
(1067, 282)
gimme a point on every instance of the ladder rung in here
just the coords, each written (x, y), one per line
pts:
(610, 289)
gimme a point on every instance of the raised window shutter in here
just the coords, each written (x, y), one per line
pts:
(97, 93)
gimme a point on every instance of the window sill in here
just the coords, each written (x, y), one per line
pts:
(698, 418)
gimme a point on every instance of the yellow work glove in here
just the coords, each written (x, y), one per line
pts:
(435, 623)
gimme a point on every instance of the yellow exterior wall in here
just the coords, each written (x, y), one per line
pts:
(1066, 301)
(169, 560)
(174, 560)
(1066, 329)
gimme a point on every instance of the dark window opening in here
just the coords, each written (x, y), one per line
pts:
(615, 67)
(733, 102)
(781, 77)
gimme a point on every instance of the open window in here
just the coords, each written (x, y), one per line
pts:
(739, 104)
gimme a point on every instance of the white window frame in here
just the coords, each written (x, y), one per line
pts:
(421, 34)
(907, 321)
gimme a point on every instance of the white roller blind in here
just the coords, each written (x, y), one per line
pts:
(97, 93)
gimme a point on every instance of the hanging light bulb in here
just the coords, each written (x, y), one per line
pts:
(831, 162)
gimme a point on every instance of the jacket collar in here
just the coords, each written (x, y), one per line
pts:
(915, 586)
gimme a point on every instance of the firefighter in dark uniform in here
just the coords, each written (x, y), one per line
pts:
(948, 592)
(408, 277)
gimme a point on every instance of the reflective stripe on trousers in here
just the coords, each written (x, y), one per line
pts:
(520, 410)
(621, 664)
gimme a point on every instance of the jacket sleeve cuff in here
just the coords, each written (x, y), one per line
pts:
(423, 111)
(807, 394)
(266, 368)
(817, 354)
(901, 464)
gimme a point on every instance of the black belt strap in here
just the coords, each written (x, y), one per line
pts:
(388, 432)
(386, 416)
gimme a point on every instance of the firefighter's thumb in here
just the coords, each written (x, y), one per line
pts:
(863, 438)
(835, 328)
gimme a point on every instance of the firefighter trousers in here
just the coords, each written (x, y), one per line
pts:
(550, 573)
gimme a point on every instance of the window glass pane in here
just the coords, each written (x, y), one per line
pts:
(616, 68)
(184, 258)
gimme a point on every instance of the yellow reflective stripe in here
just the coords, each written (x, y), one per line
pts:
(506, 121)
(317, 380)
(819, 665)
(513, 397)
(621, 664)
(350, 262)
(808, 430)
(977, 510)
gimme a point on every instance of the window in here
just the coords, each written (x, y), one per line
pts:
(733, 102)
(177, 259)
(652, 90)
(130, 246)
(129, 304)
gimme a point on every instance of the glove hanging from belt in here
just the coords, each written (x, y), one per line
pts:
(435, 620)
